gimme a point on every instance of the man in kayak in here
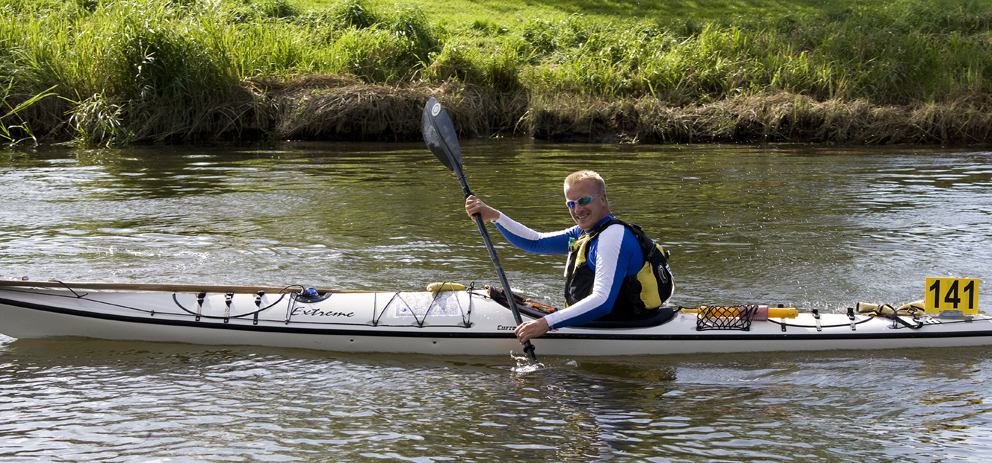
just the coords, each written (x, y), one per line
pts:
(605, 257)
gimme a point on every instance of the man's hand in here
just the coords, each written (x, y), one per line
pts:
(475, 205)
(532, 329)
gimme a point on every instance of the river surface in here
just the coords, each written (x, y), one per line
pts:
(811, 227)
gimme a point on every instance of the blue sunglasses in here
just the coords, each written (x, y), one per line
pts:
(581, 201)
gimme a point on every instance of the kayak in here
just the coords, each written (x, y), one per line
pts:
(448, 321)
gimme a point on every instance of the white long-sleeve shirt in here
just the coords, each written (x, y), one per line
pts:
(613, 255)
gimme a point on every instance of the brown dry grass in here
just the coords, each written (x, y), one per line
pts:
(782, 117)
(330, 107)
(336, 108)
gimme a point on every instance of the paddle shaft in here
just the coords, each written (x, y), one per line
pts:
(528, 347)
(441, 139)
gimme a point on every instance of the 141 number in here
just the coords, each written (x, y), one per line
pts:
(952, 294)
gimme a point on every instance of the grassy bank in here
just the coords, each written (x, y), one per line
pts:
(136, 71)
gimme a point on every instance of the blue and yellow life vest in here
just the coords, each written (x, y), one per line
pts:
(651, 287)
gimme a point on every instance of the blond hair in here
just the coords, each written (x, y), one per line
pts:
(576, 177)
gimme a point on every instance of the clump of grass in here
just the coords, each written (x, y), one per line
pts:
(259, 10)
(134, 70)
(353, 13)
(99, 123)
(377, 47)
(497, 67)
(171, 76)
(13, 126)
(412, 25)
(374, 56)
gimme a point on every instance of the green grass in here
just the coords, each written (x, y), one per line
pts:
(146, 70)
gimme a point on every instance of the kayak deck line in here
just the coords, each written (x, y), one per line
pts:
(462, 321)
(166, 287)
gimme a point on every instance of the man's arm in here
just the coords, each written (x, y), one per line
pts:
(518, 234)
(532, 241)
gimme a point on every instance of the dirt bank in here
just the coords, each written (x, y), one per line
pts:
(327, 107)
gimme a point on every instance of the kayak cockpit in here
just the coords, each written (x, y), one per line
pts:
(653, 317)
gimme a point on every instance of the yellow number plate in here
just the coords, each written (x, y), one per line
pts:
(952, 294)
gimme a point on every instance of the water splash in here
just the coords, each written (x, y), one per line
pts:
(524, 366)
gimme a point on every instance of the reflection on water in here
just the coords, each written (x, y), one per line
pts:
(815, 227)
(91, 400)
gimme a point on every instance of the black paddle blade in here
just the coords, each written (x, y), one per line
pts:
(440, 136)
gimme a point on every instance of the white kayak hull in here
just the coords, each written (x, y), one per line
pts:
(446, 323)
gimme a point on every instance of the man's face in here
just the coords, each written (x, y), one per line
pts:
(588, 215)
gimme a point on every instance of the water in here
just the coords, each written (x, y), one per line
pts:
(812, 227)
(111, 401)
